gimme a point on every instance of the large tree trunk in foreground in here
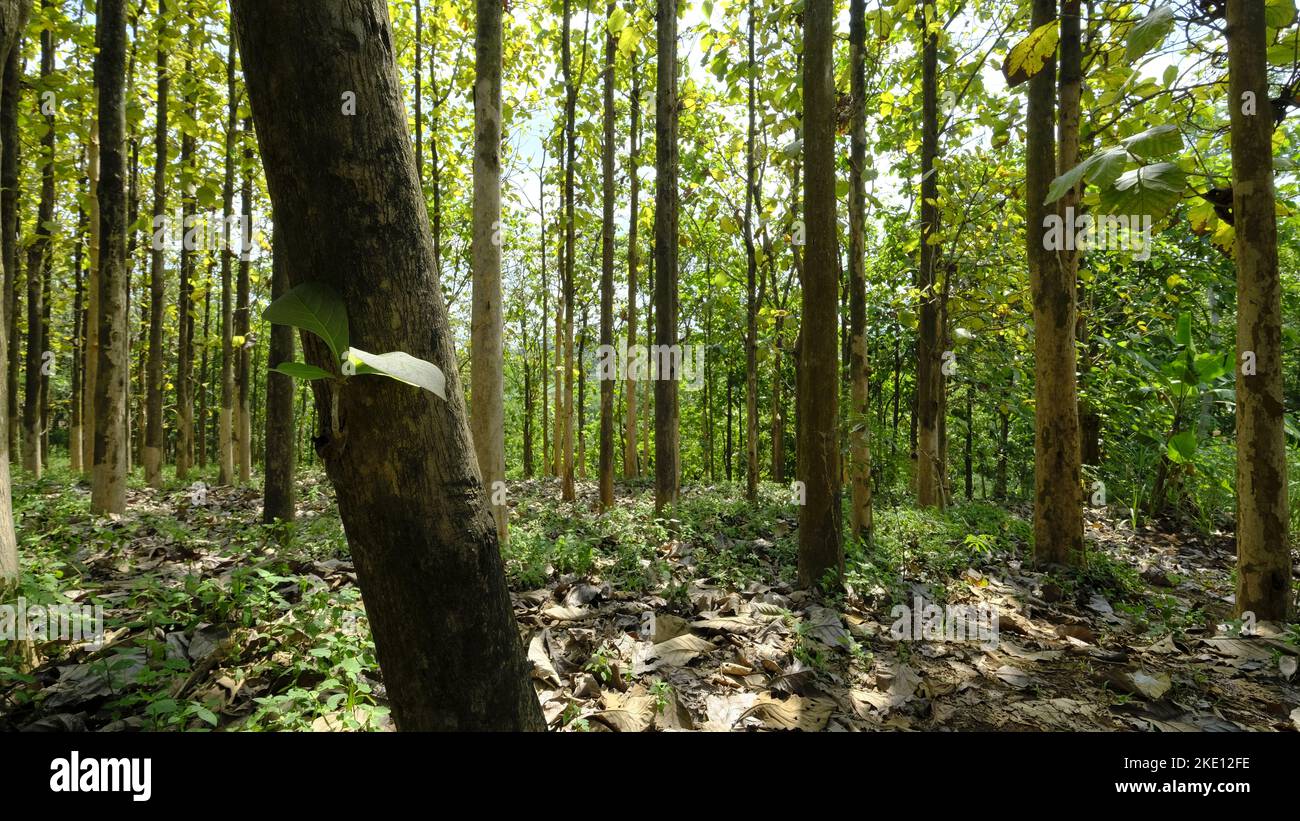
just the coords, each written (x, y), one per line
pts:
(402, 462)
(278, 492)
(108, 480)
(487, 397)
(821, 547)
(1058, 489)
(1263, 549)
(666, 159)
(13, 18)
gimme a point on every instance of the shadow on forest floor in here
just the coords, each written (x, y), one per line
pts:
(634, 623)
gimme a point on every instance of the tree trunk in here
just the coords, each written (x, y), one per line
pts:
(1058, 489)
(13, 19)
(185, 311)
(89, 420)
(401, 459)
(153, 437)
(108, 482)
(821, 548)
(859, 445)
(278, 493)
(243, 428)
(38, 261)
(751, 276)
(225, 413)
(487, 398)
(607, 276)
(929, 377)
(667, 449)
(631, 467)
(567, 491)
(10, 97)
(1263, 547)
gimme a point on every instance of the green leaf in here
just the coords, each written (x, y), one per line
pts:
(1210, 366)
(301, 370)
(1149, 32)
(1151, 189)
(403, 367)
(315, 307)
(1279, 13)
(1160, 141)
(1183, 336)
(1182, 447)
(1028, 57)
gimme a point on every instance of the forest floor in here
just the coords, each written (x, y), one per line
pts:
(635, 623)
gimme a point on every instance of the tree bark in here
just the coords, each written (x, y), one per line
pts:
(1058, 489)
(278, 492)
(606, 455)
(821, 548)
(243, 427)
(108, 482)
(930, 467)
(401, 459)
(38, 261)
(751, 276)
(1263, 546)
(153, 437)
(185, 311)
(859, 445)
(13, 19)
(226, 410)
(487, 397)
(631, 466)
(667, 449)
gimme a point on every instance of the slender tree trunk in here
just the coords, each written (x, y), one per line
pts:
(243, 428)
(108, 483)
(631, 468)
(929, 378)
(90, 422)
(225, 415)
(667, 449)
(607, 275)
(567, 491)
(278, 492)
(401, 459)
(37, 271)
(1058, 493)
(487, 397)
(859, 445)
(153, 437)
(205, 379)
(751, 277)
(1263, 546)
(185, 310)
(78, 340)
(821, 547)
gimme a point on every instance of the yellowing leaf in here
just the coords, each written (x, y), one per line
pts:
(1028, 57)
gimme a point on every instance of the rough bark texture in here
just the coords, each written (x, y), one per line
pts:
(607, 276)
(487, 398)
(348, 202)
(1263, 549)
(1058, 489)
(13, 18)
(859, 445)
(567, 490)
(821, 548)
(108, 480)
(278, 493)
(666, 165)
(153, 437)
